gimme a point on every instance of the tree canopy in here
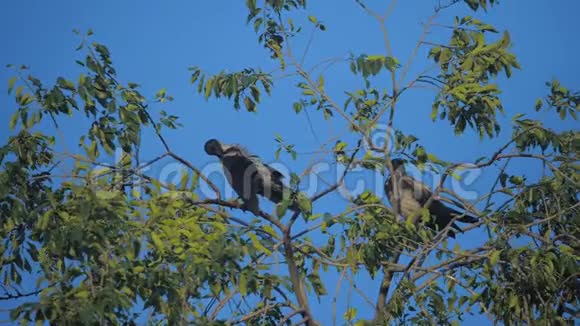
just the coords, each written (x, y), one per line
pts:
(88, 241)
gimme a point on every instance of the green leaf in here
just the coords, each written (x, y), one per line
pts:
(317, 284)
(270, 230)
(305, 204)
(297, 107)
(161, 93)
(11, 82)
(494, 257)
(157, 241)
(44, 221)
(281, 208)
(350, 314)
(19, 91)
(538, 104)
(135, 193)
(92, 151)
(194, 75)
(208, 88)
(516, 180)
(200, 84)
(65, 84)
(255, 93)
(257, 244)
(312, 19)
(339, 146)
(391, 63)
(82, 294)
(513, 300)
(250, 105)
(563, 113)
(455, 176)
(432, 158)
(243, 284)
(106, 195)
(183, 180)
(434, 111)
(26, 99)
(13, 120)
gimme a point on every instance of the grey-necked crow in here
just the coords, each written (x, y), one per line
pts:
(249, 176)
(413, 195)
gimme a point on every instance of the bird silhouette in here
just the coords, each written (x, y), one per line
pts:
(249, 176)
(413, 195)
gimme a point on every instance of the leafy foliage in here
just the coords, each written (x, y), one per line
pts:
(243, 86)
(106, 243)
(467, 97)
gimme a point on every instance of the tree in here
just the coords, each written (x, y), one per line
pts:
(100, 251)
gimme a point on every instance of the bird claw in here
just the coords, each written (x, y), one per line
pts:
(245, 208)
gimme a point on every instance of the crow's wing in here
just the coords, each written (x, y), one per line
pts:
(422, 193)
(239, 170)
(269, 183)
(440, 209)
(266, 170)
(415, 194)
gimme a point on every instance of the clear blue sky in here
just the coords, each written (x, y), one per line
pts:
(153, 43)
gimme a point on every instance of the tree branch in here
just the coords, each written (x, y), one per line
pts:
(297, 280)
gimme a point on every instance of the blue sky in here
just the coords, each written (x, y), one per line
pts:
(153, 43)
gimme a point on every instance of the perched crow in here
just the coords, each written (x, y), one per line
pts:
(413, 195)
(249, 176)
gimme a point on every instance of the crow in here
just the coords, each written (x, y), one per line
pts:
(413, 195)
(249, 176)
